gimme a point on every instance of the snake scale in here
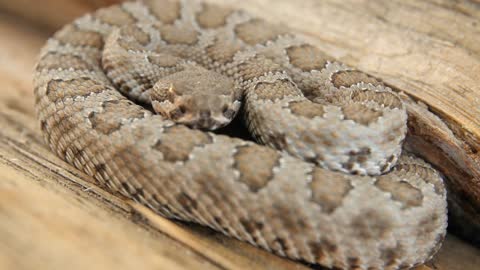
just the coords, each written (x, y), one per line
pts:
(326, 183)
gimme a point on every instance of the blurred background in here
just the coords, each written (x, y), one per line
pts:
(51, 14)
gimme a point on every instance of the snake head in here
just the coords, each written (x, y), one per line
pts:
(196, 97)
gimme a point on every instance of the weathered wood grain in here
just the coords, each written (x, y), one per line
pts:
(54, 216)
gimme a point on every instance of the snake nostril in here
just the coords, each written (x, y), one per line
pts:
(182, 109)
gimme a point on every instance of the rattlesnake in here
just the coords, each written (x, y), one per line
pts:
(338, 192)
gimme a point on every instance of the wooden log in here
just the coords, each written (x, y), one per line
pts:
(54, 216)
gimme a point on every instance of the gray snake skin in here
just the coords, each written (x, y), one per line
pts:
(330, 186)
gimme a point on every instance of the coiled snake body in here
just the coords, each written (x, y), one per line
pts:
(337, 192)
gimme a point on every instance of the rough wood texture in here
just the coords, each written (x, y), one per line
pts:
(51, 215)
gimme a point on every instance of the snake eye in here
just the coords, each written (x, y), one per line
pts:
(178, 112)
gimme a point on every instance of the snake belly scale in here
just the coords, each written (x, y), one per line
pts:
(327, 182)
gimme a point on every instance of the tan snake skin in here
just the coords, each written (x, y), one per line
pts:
(338, 192)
